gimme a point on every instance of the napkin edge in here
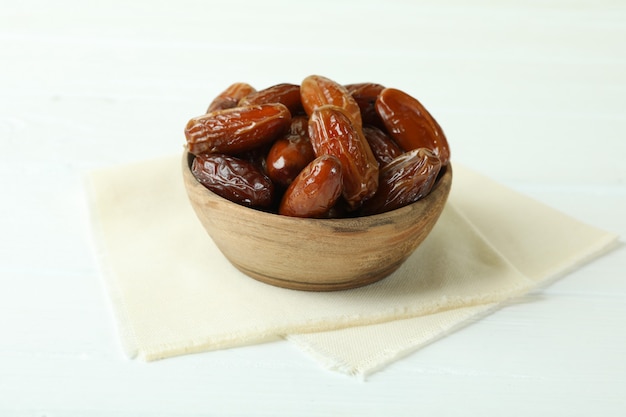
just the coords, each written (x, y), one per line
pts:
(163, 351)
(369, 366)
(117, 305)
(604, 243)
(602, 246)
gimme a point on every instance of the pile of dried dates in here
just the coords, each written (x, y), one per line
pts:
(319, 149)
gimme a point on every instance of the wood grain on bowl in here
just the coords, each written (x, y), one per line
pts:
(315, 254)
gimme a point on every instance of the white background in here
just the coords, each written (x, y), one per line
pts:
(532, 94)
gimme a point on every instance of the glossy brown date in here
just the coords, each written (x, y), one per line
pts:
(409, 123)
(299, 126)
(404, 180)
(286, 94)
(238, 129)
(316, 91)
(289, 155)
(365, 95)
(230, 97)
(234, 179)
(256, 156)
(332, 133)
(383, 147)
(315, 190)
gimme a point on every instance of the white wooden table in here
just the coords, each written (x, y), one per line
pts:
(533, 94)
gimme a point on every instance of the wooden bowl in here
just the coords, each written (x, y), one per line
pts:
(315, 254)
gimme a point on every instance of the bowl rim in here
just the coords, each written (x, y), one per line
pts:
(346, 222)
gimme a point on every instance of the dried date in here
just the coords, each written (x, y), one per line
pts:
(299, 126)
(316, 91)
(332, 133)
(290, 154)
(365, 95)
(315, 190)
(238, 129)
(409, 123)
(329, 150)
(230, 97)
(286, 94)
(234, 179)
(404, 180)
(383, 147)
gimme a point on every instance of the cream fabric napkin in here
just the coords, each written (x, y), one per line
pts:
(538, 241)
(174, 293)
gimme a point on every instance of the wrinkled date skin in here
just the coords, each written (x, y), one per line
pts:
(256, 156)
(315, 190)
(332, 133)
(288, 156)
(316, 91)
(365, 95)
(384, 148)
(318, 149)
(286, 94)
(238, 129)
(404, 180)
(234, 179)
(230, 97)
(410, 124)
